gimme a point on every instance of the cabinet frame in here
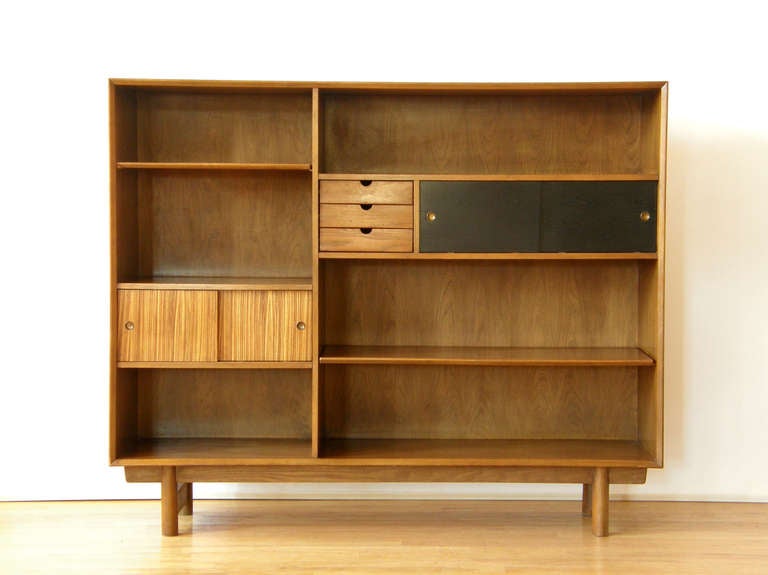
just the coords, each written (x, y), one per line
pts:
(324, 141)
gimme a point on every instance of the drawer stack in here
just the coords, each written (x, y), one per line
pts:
(366, 216)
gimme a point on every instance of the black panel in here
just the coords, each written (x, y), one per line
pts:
(598, 217)
(479, 216)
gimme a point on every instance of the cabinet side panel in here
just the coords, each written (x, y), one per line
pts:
(480, 402)
(548, 304)
(225, 404)
(652, 294)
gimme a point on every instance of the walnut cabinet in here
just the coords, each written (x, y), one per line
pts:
(387, 282)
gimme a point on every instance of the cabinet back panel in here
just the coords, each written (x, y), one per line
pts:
(480, 402)
(234, 404)
(183, 127)
(488, 134)
(548, 304)
(230, 225)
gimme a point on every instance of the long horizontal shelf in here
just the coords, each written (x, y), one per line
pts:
(241, 166)
(389, 452)
(545, 452)
(480, 356)
(523, 256)
(214, 364)
(218, 283)
(591, 177)
(199, 451)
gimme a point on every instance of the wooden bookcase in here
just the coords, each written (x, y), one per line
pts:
(387, 282)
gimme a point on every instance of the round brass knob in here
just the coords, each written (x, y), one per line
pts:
(129, 325)
(301, 326)
(431, 216)
(645, 216)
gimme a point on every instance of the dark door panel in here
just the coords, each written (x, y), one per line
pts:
(598, 217)
(479, 216)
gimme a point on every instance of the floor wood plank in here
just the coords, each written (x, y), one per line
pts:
(400, 537)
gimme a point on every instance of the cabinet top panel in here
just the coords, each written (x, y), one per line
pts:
(395, 87)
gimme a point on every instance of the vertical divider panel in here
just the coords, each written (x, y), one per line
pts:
(416, 216)
(316, 381)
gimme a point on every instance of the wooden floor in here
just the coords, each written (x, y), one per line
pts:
(393, 537)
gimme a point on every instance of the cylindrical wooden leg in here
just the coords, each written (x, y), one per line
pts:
(169, 502)
(185, 499)
(600, 502)
(586, 499)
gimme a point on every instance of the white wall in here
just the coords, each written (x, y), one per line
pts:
(57, 56)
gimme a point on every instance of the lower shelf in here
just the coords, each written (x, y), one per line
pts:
(390, 452)
(208, 451)
(512, 452)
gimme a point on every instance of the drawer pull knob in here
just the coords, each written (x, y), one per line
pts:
(129, 325)
(365, 230)
(301, 326)
(366, 183)
(645, 216)
(431, 216)
(366, 206)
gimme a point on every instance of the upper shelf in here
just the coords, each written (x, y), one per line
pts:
(241, 166)
(522, 256)
(535, 177)
(217, 283)
(485, 356)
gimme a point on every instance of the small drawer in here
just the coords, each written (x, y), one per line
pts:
(366, 192)
(365, 216)
(365, 240)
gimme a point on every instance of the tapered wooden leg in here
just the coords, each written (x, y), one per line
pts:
(586, 499)
(185, 499)
(600, 502)
(169, 502)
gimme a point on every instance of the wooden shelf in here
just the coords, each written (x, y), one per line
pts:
(214, 364)
(389, 452)
(498, 177)
(489, 452)
(484, 356)
(523, 256)
(205, 451)
(218, 283)
(241, 166)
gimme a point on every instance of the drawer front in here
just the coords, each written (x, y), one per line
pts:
(166, 325)
(479, 217)
(365, 240)
(598, 217)
(366, 192)
(265, 325)
(365, 216)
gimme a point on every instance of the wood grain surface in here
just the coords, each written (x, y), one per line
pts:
(405, 133)
(212, 403)
(195, 127)
(467, 402)
(481, 303)
(167, 325)
(366, 240)
(364, 537)
(244, 224)
(265, 326)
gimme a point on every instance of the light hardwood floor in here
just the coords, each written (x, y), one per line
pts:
(393, 537)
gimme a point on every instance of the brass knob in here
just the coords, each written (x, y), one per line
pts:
(129, 325)
(645, 216)
(301, 326)
(431, 216)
